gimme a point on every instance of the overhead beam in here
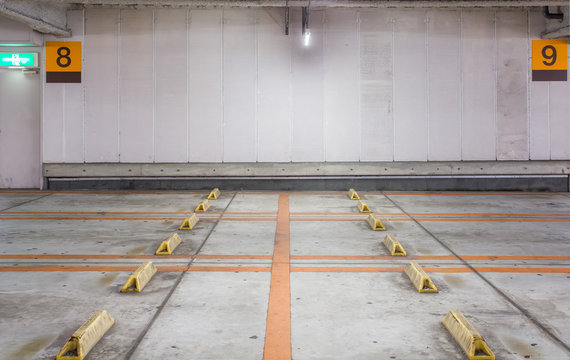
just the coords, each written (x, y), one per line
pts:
(557, 23)
(41, 16)
(314, 3)
(563, 32)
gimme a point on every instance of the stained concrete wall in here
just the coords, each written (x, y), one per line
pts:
(15, 32)
(20, 118)
(20, 165)
(177, 85)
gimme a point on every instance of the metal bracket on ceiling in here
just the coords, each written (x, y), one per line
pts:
(287, 17)
(305, 17)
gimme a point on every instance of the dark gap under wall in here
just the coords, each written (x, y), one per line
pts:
(552, 183)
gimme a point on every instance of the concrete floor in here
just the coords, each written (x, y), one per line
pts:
(503, 259)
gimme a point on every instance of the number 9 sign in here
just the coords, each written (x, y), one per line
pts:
(549, 60)
(63, 61)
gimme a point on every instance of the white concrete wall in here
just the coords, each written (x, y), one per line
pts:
(176, 85)
(14, 32)
(20, 118)
(19, 129)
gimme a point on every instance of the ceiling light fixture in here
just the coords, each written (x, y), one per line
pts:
(305, 23)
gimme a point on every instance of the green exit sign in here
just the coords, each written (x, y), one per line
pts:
(19, 60)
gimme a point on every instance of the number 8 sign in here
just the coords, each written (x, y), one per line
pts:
(549, 60)
(63, 61)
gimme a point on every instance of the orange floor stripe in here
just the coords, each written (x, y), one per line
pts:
(509, 257)
(132, 213)
(119, 192)
(68, 268)
(130, 218)
(345, 269)
(234, 257)
(485, 214)
(88, 256)
(100, 212)
(269, 257)
(230, 268)
(344, 213)
(432, 214)
(46, 192)
(132, 256)
(369, 257)
(88, 218)
(343, 193)
(468, 194)
(436, 219)
(246, 213)
(278, 330)
(270, 213)
(52, 268)
(532, 270)
(495, 220)
(272, 218)
(430, 257)
(374, 269)
(361, 218)
(286, 325)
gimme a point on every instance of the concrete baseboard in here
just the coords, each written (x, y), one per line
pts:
(314, 169)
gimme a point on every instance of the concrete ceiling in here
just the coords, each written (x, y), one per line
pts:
(313, 3)
(49, 16)
(43, 16)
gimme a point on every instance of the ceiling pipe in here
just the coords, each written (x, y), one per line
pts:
(547, 14)
(287, 18)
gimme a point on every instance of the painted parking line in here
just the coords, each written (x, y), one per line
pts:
(343, 213)
(511, 257)
(469, 194)
(348, 219)
(88, 192)
(36, 218)
(278, 330)
(230, 268)
(129, 256)
(493, 220)
(343, 269)
(491, 214)
(96, 268)
(280, 311)
(270, 257)
(531, 270)
(361, 269)
(104, 212)
(60, 218)
(438, 219)
(430, 257)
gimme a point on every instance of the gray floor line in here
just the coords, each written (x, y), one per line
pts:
(540, 325)
(174, 287)
(26, 202)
